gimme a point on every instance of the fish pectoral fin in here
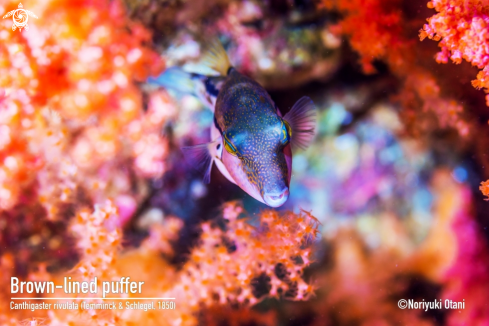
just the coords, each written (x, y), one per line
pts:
(215, 57)
(199, 157)
(302, 121)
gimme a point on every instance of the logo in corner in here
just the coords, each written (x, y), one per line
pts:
(20, 17)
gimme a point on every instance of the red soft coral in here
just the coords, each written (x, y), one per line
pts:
(378, 30)
(462, 27)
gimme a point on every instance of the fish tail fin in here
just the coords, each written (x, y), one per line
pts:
(199, 156)
(177, 79)
(216, 58)
(302, 121)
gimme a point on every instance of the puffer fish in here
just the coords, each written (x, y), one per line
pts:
(250, 139)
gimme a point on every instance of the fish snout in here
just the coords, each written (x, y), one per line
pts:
(276, 199)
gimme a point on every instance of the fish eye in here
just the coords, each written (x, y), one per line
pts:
(286, 132)
(230, 148)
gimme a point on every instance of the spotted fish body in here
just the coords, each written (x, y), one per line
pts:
(247, 117)
(251, 141)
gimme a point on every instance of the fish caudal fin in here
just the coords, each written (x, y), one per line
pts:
(199, 156)
(302, 121)
(216, 58)
(205, 88)
(177, 79)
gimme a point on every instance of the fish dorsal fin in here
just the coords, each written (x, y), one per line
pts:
(216, 58)
(199, 157)
(302, 121)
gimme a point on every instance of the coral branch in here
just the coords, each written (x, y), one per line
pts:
(246, 264)
(462, 27)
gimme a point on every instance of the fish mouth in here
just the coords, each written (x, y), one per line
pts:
(276, 199)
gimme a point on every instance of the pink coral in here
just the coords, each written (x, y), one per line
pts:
(462, 27)
(468, 278)
(74, 122)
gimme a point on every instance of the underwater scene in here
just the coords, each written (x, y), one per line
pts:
(244, 162)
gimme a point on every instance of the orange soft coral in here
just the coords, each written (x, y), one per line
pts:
(462, 27)
(98, 240)
(484, 188)
(374, 29)
(227, 263)
(377, 31)
(239, 265)
(70, 106)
